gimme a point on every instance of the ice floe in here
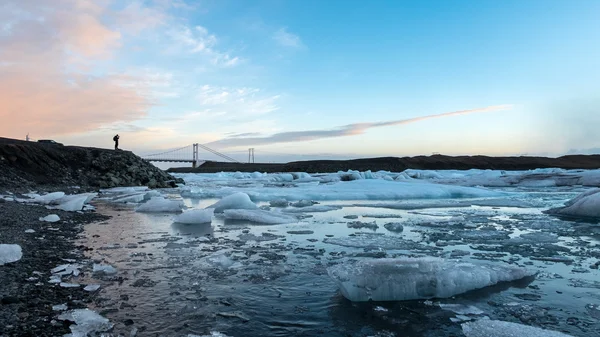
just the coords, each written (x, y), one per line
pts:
(195, 216)
(417, 278)
(10, 253)
(586, 204)
(493, 328)
(234, 201)
(259, 216)
(87, 322)
(160, 205)
(50, 218)
(103, 269)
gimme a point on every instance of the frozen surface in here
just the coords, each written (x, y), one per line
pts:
(234, 201)
(48, 198)
(493, 328)
(160, 205)
(50, 218)
(87, 322)
(195, 216)
(10, 253)
(417, 278)
(92, 287)
(312, 209)
(586, 204)
(259, 216)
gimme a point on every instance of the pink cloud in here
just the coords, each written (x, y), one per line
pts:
(45, 52)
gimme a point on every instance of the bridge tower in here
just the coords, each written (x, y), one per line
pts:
(194, 155)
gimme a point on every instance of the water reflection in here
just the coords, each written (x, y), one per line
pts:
(205, 229)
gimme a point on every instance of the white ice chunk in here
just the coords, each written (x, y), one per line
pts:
(462, 309)
(234, 201)
(220, 260)
(75, 202)
(493, 328)
(92, 287)
(161, 205)
(60, 307)
(417, 278)
(195, 216)
(103, 269)
(69, 285)
(48, 198)
(86, 322)
(257, 215)
(50, 218)
(212, 334)
(10, 253)
(29, 231)
(584, 205)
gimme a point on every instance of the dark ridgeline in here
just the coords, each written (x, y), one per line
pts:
(396, 164)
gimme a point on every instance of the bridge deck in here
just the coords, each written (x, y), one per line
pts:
(171, 160)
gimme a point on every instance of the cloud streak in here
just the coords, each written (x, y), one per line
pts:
(343, 131)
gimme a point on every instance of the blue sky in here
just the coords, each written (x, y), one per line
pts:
(239, 74)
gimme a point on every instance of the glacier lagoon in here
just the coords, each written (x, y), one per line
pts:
(262, 265)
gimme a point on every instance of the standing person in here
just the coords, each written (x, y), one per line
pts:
(116, 139)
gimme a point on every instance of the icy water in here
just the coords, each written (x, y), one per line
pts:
(248, 279)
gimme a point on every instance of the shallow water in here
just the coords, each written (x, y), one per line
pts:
(248, 279)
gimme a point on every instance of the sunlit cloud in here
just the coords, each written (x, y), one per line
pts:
(343, 131)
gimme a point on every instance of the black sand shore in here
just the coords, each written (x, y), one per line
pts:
(25, 294)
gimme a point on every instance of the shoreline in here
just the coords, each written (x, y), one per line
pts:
(26, 296)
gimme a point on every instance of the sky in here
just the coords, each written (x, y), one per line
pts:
(304, 79)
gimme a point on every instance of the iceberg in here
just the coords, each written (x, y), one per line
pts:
(161, 205)
(48, 198)
(417, 278)
(586, 204)
(260, 216)
(234, 201)
(195, 216)
(103, 269)
(10, 253)
(50, 218)
(86, 322)
(75, 202)
(493, 328)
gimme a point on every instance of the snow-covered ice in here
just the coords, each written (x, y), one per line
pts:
(260, 216)
(160, 205)
(87, 322)
(234, 201)
(10, 253)
(417, 278)
(493, 328)
(50, 218)
(195, 216)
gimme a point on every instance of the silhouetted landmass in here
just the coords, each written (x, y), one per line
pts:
(34, 165)
(396, 164)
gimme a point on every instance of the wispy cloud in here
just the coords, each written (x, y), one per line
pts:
(287, 39)
(343, 131)
(198, 40)
(237, 102)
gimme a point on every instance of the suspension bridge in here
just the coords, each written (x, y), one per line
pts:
(189, 154)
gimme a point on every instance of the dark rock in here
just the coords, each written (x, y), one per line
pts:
(10, 300)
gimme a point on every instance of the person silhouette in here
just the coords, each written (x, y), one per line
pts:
(116, 139)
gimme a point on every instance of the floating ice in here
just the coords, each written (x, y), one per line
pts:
(260, 216)
(234, 201)
(29, 231)
(86, 322)
(359, 224)
(10, 253)
(212, 334)
(160, 205)
(50, 218)
(586, 204)
(195, 216)
(67, 269)
(103, 269)
(493, 328)
(303, 203)
(92, 287)
(313, 209)
(417, 278)
(363, 189)
(462, 309)
(376, 241)
(220, 260)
